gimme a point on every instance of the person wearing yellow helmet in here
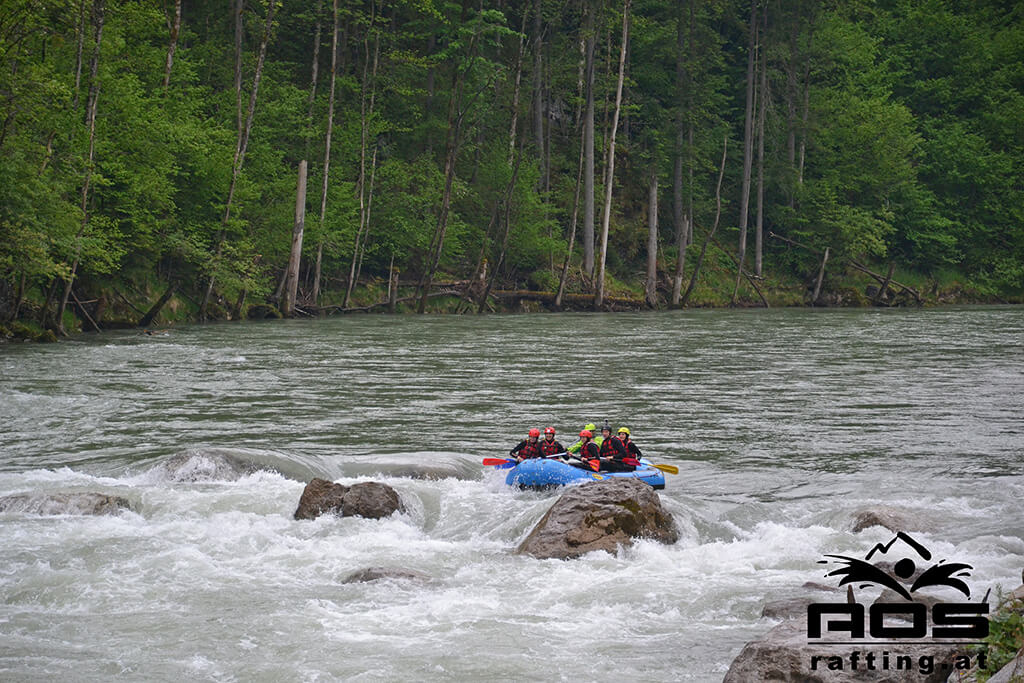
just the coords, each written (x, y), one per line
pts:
(627, 440)
(589, 427)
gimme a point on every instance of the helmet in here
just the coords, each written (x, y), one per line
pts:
(534, 432)
(624, 430)
(549, 430)
(586, 433)
(607, 426)
(590, 426)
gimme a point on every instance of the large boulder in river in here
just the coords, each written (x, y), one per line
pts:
(600, 515)
(72, 503)
(784, 654)
(367, 499)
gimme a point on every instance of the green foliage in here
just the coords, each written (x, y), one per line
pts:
(894, 131)
(1006, 636)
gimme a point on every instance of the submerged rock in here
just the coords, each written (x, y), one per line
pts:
(369, 499)
(378, 573)
(206, 465)
(600, 515)
(65, 504)
(891, 518)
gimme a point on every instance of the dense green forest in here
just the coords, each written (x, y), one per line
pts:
(176, 159)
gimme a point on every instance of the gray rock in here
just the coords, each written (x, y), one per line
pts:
(785, 655)
(1012, 672)
(368, 499)
(893, 519)
(378, 573)
(65, 504)
(600, 515)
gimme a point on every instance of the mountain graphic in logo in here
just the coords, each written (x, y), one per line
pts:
(855, 570)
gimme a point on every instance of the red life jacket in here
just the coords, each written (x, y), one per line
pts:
(530, 450)
(612, 448)
(551, 447)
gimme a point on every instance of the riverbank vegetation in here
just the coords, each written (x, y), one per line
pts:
(195, 160)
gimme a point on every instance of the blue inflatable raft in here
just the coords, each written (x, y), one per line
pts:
(544, 473)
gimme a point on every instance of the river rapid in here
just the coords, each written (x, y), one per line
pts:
(783, 424)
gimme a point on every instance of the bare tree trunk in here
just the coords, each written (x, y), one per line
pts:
(453, 141)
(155, 309)
(98, 14)
(572, 232)
(791, 95)
(79, 50)
(610, 175)
(652, 241)
(175, 26)
(369, 211)
(588, 147)
(538, 86)
(516, 87)
(243, 136)
(821, 277)
(507, 218)
(714, 227)
(327, 157)
(366, 114)
(680, 219)
(748, 144)
(291, 287)
(761, 107)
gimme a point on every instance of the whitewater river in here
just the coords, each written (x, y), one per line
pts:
(783, 423)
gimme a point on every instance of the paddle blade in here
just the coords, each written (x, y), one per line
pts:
(671, 469)
(498, 461)
(596, 464)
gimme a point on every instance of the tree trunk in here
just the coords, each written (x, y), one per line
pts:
(98, 14)
(243, 134)
(175, 26)
(291, 287)
(516, 88)
(366, 106)
(679, 217)
(748, 145)
(652, 242)
(507, 218)
(761, 107)
(714, 227)
(821, 277)
(572, 232)
(588, 147)
(327, 157)
(538, 86)
(610, 175)
(155, 309)
(79, 50)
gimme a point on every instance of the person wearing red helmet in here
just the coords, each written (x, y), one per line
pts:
(549, 446)
(588, 450)
(528, 448)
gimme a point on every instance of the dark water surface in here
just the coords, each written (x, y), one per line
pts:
(783, 424)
